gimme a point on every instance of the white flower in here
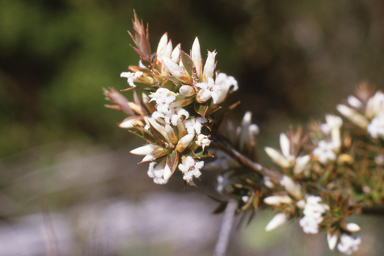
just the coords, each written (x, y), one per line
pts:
(291, 187)
(161, 173)
(163, 98)
(225, 83)
(194, 125)
(196, 57)
(355, 102)
(202, 141)
(324, 152)
(173, 117)
(150, 151)
(131, 77)
(353, 116)
(190, 168)
(209, 66)
(276, 222)
(207, 90)
(277, 200)
(348, 244)
(375, 105)
(334, 123)
(313, 211)
(285, 160)
(376, 127)
(332, 239)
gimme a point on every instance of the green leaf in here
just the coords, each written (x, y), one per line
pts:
(187, 62)
(201, 108)
(168, 84)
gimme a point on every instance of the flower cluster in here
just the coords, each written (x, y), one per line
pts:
(178, 107)
(313, 212)
(178, 114)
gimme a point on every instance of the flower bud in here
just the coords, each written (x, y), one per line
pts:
(277, 200)
(350, 227)
(276, 222)
(332, 239)
(187, 90)
(196, 57)
(162, 45)
(301, 163)
(353, 116)
(184, 142)
(277, 157)
(291, 187)
(209, 66)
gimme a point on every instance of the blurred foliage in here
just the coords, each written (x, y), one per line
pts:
(291, 58)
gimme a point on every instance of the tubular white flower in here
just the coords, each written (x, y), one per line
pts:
(334, 123)
(353, 116)
(313, 211)
(187, 90)
(348, 244)
(150, 151)
(291, 187)
(163, 98)
(196, 57)
(277, 157)
(161, 173)
(375, 105)
(190, 168)
(194, 125)
(174, 69)
(226, 82)
(168, 50)
(324, 152)
(203, 141)
(285, 145)
(301, 163)
(130, 123)
(376, 127)
(276, 222)
(175, 56)
(207, 90)
(277, 200)
(162, 45)
(332, 239)
(355, 102)
(209, 66)
(159, 128)
(350, 227)
(184, 142)
(131, 77)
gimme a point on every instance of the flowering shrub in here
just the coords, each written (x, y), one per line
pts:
(320, 177)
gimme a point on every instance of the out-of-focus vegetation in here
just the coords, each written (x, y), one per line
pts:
(292, 59)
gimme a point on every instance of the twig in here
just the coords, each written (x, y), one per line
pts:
(226, 227)
(220, 143)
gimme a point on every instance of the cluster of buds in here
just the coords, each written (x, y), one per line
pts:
(180, 104)
(178, 114)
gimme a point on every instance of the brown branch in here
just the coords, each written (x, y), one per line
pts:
(222, 144)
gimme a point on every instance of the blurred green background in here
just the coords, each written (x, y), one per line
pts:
(60, 149)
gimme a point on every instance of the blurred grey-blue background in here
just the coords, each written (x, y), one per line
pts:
(68, 184)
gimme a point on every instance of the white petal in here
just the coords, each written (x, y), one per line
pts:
(196, 57)
(277, 157)
(285, 145)
(162, 45)
(301, 163)
(277, 221)
(209, 66)
(332, 240)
